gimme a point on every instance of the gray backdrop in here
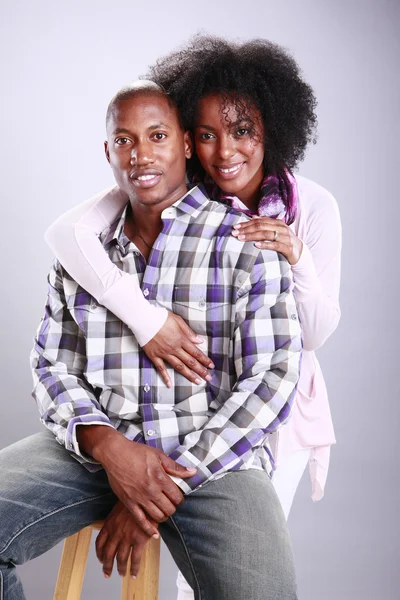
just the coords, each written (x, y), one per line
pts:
(61, 64)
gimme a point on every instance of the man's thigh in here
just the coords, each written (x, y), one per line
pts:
(45, 496)
(231, 542)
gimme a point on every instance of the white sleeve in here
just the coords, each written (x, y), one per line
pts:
(74, 240)
(317, 274)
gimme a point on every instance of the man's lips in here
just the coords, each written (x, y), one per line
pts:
(229, 171)
(145, 178)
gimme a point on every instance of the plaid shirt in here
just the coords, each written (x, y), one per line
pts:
(89, 369)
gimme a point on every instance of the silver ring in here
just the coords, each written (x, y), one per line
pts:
(275, 235)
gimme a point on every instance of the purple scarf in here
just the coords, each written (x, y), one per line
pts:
(279, 197)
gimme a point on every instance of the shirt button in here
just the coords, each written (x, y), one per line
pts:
(202, 303)
(146, 387)
(93, 305)
(137, 253)
(150, 432)
(146, 292)
(293, 317)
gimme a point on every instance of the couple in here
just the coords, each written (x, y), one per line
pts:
(189, 458)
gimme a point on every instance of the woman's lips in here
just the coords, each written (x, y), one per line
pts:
(229, 171)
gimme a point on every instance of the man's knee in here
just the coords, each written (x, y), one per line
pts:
(239, 539)
(45, 495)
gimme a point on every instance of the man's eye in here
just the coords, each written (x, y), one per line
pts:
(122, 141)
(159, 136)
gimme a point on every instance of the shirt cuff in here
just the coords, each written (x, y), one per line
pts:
(71, 441)
(185, 458)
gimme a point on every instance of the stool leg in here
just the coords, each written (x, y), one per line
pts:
(145, 586)
(72, 566)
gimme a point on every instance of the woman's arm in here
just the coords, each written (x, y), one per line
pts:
(315, 261)
(317, 276)
(164, 337)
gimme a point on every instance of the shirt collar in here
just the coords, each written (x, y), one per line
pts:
(192, 203)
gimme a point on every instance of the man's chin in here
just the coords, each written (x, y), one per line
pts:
(149, 197)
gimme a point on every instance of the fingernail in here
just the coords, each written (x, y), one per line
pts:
(238, 226)
(133, 576)
(198, 381)
(156, 536)
(106, 576)
(241, 237)
(211, 366)
(198, 340)
(208, 377)
(234, 232)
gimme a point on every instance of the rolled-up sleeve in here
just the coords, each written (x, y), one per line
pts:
(58, 358)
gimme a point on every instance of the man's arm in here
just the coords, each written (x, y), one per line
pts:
(69, 408)
(267, 346)
(58, 360)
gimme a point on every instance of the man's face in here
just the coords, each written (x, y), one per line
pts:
(147, 150)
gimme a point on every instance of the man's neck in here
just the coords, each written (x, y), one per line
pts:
(143, 223)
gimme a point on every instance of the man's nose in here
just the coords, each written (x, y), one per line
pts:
(142, 154)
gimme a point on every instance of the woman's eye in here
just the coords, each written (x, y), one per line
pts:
(159, 136)
(122, 141)
(242, 131)
(206, 136)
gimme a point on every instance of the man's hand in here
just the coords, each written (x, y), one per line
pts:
(121, 537)
(176, 344)
(137, 474)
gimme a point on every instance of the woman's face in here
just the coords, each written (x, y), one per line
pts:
(230, 149)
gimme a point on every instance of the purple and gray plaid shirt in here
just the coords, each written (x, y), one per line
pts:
(89, 369)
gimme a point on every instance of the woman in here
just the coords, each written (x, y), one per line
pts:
(252, 117)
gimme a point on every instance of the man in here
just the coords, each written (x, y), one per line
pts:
(189, 460)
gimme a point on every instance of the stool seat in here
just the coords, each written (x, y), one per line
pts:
(73, 565)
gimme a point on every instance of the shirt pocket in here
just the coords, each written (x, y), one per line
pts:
(206, 309)
(91, 317)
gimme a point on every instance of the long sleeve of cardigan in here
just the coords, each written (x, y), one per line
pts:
(317, 274)
(74, 240)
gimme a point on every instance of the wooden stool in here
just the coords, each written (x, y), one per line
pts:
(73, 564)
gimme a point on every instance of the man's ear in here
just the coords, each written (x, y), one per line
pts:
(106, 151)
(188, 140)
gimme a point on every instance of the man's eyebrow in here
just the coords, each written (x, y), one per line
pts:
(160, 126)
(120, 130)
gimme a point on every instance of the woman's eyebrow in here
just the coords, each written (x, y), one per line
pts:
(206, 127)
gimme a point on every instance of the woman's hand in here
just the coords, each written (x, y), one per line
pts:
(176, 344)
(270, 234)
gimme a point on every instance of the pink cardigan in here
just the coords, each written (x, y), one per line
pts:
(74, 240)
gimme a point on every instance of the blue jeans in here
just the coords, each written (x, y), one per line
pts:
(229, 538)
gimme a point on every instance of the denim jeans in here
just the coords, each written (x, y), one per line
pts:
(229, 538)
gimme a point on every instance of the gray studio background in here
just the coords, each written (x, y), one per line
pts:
(61, 64)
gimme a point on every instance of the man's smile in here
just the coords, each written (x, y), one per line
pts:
(145, 178)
